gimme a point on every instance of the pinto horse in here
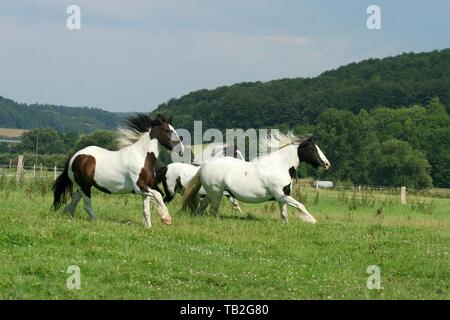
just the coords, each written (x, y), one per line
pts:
(265, 178)
(131, 169)
(175, 176)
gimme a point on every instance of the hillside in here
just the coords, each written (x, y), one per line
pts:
(60, 118)
(380, 121)
(393, 82)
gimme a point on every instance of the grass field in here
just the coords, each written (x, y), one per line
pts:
(241, 256)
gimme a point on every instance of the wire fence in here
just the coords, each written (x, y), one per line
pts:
(34, 171)
(300, 186)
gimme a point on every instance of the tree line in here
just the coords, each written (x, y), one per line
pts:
(407, 146)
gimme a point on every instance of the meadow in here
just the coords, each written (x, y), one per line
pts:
(249, 255)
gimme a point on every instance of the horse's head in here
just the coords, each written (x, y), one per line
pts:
(308, 151)
(165, 133)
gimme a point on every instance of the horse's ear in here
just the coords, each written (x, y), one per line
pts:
(158, 120)
(311, 139)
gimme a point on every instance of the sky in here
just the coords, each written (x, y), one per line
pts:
(133, 55)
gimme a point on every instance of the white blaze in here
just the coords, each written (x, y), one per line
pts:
(323, 158)
(175, 137)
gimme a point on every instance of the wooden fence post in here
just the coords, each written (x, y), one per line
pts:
(41, 169)
(34, 170)
(403, 195)
(19, 167)
(10, 164)
(54, 172)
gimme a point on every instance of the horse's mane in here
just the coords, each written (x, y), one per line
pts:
(209, 152)
(134, 127)
(277, 140)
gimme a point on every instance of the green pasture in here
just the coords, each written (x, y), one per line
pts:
(239, 256)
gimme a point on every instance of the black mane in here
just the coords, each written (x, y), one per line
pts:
(142, 123)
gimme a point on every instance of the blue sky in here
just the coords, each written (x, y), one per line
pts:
(133, 55)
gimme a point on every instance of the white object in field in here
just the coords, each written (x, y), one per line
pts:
(19, 167)
(403, 195)
(322, 184)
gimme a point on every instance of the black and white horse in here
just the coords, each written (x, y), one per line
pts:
(175, 176)
(265, 178)
(131, 169)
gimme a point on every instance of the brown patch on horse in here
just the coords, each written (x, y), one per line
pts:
(147, 176)
(162, 133)
(83, 167)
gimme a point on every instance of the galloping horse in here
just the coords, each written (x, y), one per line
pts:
(265, 178)
(175, 176)
(131, 169)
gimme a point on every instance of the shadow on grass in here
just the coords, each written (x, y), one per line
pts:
(247, 217)
(228, 216)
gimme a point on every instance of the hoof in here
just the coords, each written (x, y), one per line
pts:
(166, 221)
(312, 221)
(147, 225)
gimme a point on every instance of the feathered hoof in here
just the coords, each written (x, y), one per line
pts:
(166, 221)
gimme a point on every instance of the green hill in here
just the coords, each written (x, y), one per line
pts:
(404, 80)
(380, 121)
(60, 118)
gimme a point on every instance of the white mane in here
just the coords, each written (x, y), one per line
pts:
(277, 140)
(211, 151)
(128, 137)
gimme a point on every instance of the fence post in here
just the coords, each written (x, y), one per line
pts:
(10, 164)
(41, 169)
(19, 167)
(54, 172)
(403, 195)
(34, 170)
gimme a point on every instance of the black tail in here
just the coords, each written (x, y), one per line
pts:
(60, 188)
(161, 178)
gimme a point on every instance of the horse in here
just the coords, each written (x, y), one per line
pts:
(265, 178)
(131, 169)
(175, 176)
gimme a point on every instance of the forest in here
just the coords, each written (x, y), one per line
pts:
(60, 118)
(380, 121)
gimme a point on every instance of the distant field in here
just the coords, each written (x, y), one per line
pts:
(11, 133)
(241, 256)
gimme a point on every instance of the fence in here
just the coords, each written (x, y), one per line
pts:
(20, 171)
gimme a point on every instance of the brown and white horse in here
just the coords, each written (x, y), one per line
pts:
(131, 169)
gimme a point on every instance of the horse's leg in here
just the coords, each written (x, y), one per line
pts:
(304, 214)
(146, 206)
(88, 204)
(234, 203)
(283, 211)
(70, 209)
(162, 208)
(204, 203)
(214, 198)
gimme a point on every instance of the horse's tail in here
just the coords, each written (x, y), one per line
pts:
(161, 178)
(62, 185)
(190, 199)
